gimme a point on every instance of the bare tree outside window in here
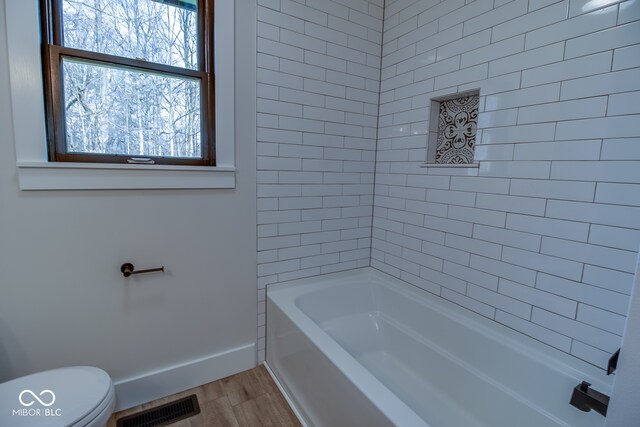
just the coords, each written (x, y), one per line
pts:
(130, 79)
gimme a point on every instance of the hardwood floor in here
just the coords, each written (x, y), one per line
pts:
(247, 399)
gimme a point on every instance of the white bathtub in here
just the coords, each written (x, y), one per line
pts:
(361, 348)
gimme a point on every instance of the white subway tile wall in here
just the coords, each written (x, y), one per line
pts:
(543, 236)
(318, 88)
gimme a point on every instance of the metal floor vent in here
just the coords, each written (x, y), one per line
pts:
(163, 415)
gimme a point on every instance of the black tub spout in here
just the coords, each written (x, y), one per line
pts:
(586, 399)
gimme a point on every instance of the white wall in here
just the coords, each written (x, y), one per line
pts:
(318, 81)
(543, 236)
(64, 301)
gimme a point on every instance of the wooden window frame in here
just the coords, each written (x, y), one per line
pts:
(53, 52)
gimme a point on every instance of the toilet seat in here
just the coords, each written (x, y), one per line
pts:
(78, 396)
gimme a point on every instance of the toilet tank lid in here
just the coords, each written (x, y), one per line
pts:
(59, 397)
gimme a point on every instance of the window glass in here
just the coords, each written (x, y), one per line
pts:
(164, 32)
(121, 111)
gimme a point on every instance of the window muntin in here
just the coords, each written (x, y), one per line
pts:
(108, 108)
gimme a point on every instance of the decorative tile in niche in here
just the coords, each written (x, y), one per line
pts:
(452, 129)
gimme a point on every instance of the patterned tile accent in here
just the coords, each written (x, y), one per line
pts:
(457, 125)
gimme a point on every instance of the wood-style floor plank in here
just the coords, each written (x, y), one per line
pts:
(247, 399)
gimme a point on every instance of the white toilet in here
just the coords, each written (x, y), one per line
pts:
(79, 396)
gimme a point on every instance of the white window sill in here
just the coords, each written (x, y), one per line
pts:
(452, 165)
(99, 176)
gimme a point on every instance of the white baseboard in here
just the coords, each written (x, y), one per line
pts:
(286, 395)
(134, 391)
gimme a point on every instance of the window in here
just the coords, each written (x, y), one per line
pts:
(452, 129)
(129, 81)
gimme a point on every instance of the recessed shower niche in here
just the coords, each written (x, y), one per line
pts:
(452, 129)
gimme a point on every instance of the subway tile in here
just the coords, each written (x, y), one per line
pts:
(280, 19)
(581, 292)
(621, 149)
(574, 27)
(480, 184)
(611, 38)
(558, 150)
(495, 84)
(470, 10)
(522, 133)
(278, 216)
(588, 334)
(427, 208)
(477, 216)
(493, 51)
(474, 246)
(629, 11)
(278, 267)
(409, 242)
(498, 15)
(299, 227)
(467, 274)
(528, 59)
(506, 237)
(303, 12)
(467, 75)
(590, 354)
(298, 252)
(519, 169)
(424, 233)
(618, 194)
(511, 204)
(626, 57)
(605, 278)
(499, 301)
(538, 298)
(523, 97)
(448, 225)
(549, 189)
(575, 68)
(595, 213)
(539, 18)
(539, 4)
(471, 304)
(602, 256)
(548, 227)
(445, 252)
(614, 237)
(602, 319)
(496, 119)
(402, 263)
(460, 198)
(565, 110)
(278, 242)
(421, 283)
(465, 44)
(624, 103)
(493, 152)
(319, 260)
(599, 84)
(503, 270)
(542, 262)
(607, 171)
(548, 336)
(442, 279)
(578, 7)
